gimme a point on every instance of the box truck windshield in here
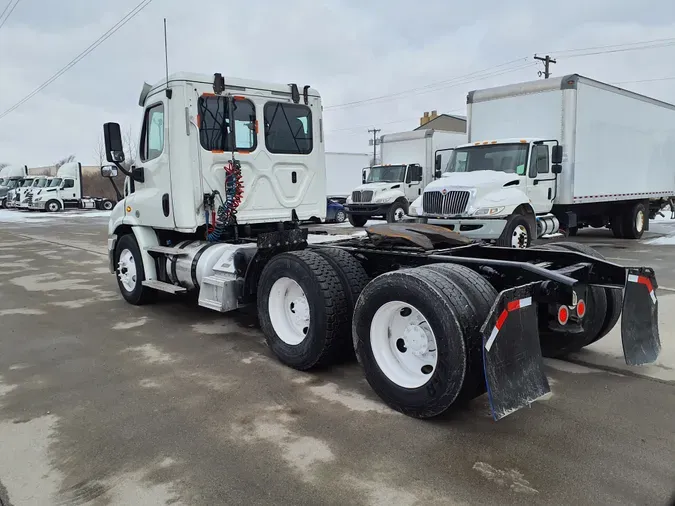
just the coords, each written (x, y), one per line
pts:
(510, 158)
(388, 174)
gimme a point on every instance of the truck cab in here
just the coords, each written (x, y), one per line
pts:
(38, 183)
(62, 192)
(499, 190)
(386, 191)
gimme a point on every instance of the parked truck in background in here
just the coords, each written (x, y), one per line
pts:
(560, 153)
(11, 176)
(65, 192)
(344, 172)
(407, 165)
(15, 196)
(214, 208)
(38, 183)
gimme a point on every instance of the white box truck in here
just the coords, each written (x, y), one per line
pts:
(407, 166)
(554, 154)
(344, 172)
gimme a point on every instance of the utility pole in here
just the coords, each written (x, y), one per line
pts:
(547, 61)
(375, 142)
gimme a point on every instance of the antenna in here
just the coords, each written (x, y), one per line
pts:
(166, 63)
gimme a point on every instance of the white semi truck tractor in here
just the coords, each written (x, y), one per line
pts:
(18, 194)
(12, 177)
(229, 168)
(408, 160)
(555, 154)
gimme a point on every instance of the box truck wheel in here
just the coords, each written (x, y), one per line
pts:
(634, 219)
(478, 296)
(517, 233)
(410, 339)
(130, 272)
(397, 211)
(303, 309)
(357, 220)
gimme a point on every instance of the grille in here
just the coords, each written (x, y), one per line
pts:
(364, 196)
(29, 199)
(453, 202)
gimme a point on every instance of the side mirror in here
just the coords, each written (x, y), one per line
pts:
(114, 152)
(109, 171)
(556, 154)
(363, 176)
(437, 164)
(556, 168)
(438, 173)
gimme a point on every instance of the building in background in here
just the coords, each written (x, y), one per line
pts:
(446, 122)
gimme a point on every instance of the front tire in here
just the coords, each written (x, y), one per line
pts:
(303, 310)
(53, 206)
(357, 220)
(409, 340)
(397, 211)
(340, 217)
(130, 272)
(516, 234)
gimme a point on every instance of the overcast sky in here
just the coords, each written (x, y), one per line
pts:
(350, 50)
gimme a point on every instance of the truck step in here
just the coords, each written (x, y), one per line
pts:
(163, 287)
(166, 250)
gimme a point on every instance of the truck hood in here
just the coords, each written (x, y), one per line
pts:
(378, 186)
(480, 179)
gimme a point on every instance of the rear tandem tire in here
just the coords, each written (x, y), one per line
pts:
(634, 221)
(297, 287)
(479, 296)
(357, 220)
(409, 338)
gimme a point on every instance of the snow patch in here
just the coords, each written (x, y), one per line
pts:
(351, 400)
(131, 324)
(148, 383)
(668, 240)
(150, 354)
(18, 367)
(21, 311)
(28, 217)
(51, 281)
(506, 478)
(5, 389)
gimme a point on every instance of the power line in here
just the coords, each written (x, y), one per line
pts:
(627, 46)
(8, 13)
(547, 62)
(436, 85)
(645, 80)
(128, 17)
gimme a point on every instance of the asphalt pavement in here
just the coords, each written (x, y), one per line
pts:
(105, 403)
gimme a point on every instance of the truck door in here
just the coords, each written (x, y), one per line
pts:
(150, 200)
(413, 182)
(540, 180)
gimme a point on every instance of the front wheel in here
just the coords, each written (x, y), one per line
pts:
(357, 221)
(130, 272)
(53, 206)
(397, 212)
(516, 233)
(340, 217)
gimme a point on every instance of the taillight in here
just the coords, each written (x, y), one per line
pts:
(563, 315)
(581, 309)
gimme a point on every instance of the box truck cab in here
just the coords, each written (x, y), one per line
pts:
(407, 166)
(590, 154)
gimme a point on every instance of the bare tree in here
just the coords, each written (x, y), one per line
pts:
(99, 152)
(130, 145)
(63, 161)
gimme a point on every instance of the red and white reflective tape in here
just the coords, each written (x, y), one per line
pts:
(514, 305)
(643, 280)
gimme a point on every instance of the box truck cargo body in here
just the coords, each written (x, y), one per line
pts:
(407, 165)
(344, 172)
(561, 153)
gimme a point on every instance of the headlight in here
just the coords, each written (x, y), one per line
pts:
(488, 211)
(349, 200)
(382, 199)
(412, 211)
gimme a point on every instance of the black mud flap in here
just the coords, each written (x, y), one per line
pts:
(640, 318)
(514, 367)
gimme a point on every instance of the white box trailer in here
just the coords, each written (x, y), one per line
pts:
(407, 165)
(614, 168)
(344, 172)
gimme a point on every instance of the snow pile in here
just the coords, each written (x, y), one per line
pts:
(29, 217)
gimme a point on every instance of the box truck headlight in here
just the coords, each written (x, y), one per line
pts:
(382, 199)
(488, 211)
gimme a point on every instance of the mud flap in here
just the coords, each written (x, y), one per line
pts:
(514, 368)
(639, 318)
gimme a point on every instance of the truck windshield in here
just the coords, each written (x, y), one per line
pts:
(510, 158)
(41, 183)
(54, 183)
(386, 174)
(27, 183)
(12, 183)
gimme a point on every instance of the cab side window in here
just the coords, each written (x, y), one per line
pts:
(69, 183)
(152, 135)
(539, 163)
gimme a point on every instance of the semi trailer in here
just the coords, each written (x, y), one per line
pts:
(407, 166)
(555, 154)
(228, 170)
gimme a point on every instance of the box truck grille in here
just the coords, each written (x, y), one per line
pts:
(453, 202)
(364, 196)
